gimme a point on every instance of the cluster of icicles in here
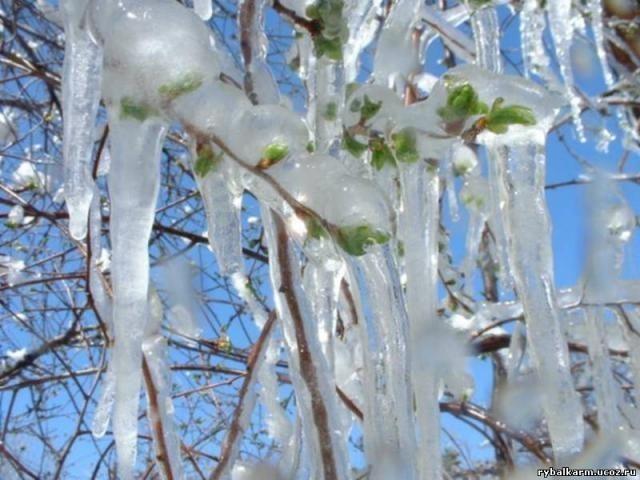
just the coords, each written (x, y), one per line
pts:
(155, 62)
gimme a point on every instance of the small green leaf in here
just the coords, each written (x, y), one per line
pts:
(462, 102)
(206, 161)
(356, 240)
(330, 111)
(315, 229)
(129, 108)
(329, 47)
(369, 109)
(405, 145)
(500, 118)
(186, 84)
(351, 145)
(273, 153)
(381, 154)
(311, 147)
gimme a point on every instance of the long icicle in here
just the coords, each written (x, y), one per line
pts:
(521, 167)
(133, 184)
(81, 79)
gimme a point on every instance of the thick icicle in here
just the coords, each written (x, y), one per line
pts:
(362, 24)
(521, 164)
(158, 387)
(80, 95)
(487, 35)
(419, 226)
(133, 185)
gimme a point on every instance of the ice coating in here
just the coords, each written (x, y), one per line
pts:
(532, 25)
(80, 95)
(270, 125)
(322, 183)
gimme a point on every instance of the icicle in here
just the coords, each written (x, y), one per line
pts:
(419, 226)
(103, 306)
(80, 94)
(316, 397)
(609, 420)
(329, 85)
(595, 9)
(561, 28)
(362, 24)
(178, 276)
(486, 33)
(204, 8)
(133, 185)
(158, 387)
(259, 82)
(532, 25)
(452, 196)
(521, 164)
(222, 203)
(397, 35)
(475, 195)
(389, 432)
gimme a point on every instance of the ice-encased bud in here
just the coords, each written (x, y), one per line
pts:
(322, 183)
(212, 108)
(155, 51)
(258, 132)
(372, 105)
(475, 194)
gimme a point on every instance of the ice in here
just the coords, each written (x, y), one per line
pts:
(270, 125)
(15, 216)
(204, 8)
(315, 394)
(595, 9)
(258, 81)
(178, 275)
(133, 185)
(532, 25)
(521, 164)
(362, 24)
(158, 387)
(80, 95)
(486, 33)
(419, 226)
(561, 26)
(397, 35)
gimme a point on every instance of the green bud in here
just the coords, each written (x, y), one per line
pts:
(356, 240)
(129, 108)
(206, 161)
(351, 145)
(186, 84)
(500, 118)
(273, 153)
(381, 154)
(404, 144)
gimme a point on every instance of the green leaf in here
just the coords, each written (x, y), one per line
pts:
(129, 108)
(405, 145)
(186, 84)
(330, 111)
(356, 240)
(311, 147)
(500, 118)
(273, 153)
(315, 229)
(462, 102)
(206, 161)
(329, 47)
(351, 145)
(381, 154)
(369, 109)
